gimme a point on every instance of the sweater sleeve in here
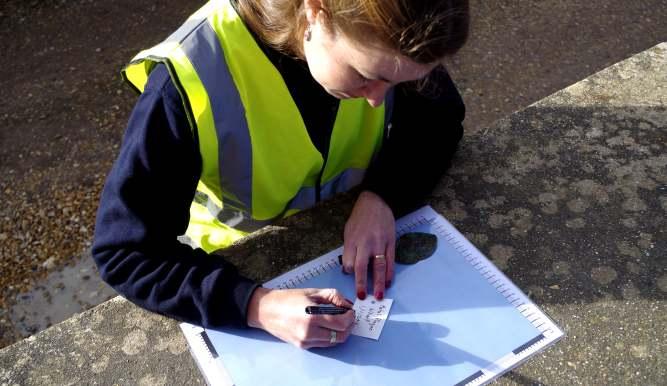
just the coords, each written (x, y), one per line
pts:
(144, 207)
(426, 129)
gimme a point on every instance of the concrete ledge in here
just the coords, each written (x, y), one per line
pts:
(568, 197)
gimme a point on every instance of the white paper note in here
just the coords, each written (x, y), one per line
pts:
(370, 315)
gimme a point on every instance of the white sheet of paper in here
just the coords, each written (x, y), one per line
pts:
(370, 315)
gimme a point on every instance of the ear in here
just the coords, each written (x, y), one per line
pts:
(312, 8)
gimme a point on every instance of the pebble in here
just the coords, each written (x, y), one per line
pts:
(639, 351)
(634, 204)
(630, 292)
(577, 205)
(561, 267)
(662, 283)
(415, 246)
(49, 264)
(603, 275)
(548, 202)
(501, 254)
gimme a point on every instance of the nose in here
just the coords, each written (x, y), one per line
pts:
(375, 91)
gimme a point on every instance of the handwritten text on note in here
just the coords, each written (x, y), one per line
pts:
(370, 316)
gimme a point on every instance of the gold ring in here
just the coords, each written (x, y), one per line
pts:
(379, 256)
(332, 336)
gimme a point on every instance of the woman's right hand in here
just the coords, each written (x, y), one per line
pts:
(282, 313)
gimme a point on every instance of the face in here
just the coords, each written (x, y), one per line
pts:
(347, 69)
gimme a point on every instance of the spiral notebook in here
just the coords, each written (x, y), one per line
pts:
(456, 319)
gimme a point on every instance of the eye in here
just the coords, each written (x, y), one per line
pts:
(362, 78)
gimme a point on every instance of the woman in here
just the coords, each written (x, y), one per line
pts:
(256, 109)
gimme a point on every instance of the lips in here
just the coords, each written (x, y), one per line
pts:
(339, 94)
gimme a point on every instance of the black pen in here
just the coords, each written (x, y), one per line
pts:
(326, 310)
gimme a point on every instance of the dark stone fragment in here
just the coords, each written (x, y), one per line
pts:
(415, 246)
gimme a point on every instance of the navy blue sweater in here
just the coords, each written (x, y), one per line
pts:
(145, 202)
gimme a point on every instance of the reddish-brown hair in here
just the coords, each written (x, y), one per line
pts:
(425, 31)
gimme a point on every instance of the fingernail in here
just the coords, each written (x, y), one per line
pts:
(361, 295)
(379, 295)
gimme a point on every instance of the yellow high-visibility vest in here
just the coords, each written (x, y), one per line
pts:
(258, 162)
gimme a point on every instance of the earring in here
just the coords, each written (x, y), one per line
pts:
(309, 33)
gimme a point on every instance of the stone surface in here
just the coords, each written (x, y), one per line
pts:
(569, 194)
(115, 343)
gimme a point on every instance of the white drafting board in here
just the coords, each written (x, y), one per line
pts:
(455, 320)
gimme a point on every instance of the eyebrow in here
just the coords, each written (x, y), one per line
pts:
(382, 78)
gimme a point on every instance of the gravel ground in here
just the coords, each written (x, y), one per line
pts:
(63, 107)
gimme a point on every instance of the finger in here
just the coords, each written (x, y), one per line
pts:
(339, 300)
(342, 336)
(379, 274)
(320, 337)
(341, 322)
(325, 338)
(349, 251)
(330, 296)
(391, 260)
(361, 271)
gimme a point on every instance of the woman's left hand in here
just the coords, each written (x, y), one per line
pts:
(370, 234)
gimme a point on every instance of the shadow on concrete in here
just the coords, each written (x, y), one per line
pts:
(569, 201)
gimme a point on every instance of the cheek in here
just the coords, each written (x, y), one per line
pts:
(338, 78)
(327, 71)
(315, 60)
(321, 67)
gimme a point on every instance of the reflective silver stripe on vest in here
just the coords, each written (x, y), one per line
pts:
(205, 53)
(235, 218)
(184, 30)
(343, 182)
(304, 199)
